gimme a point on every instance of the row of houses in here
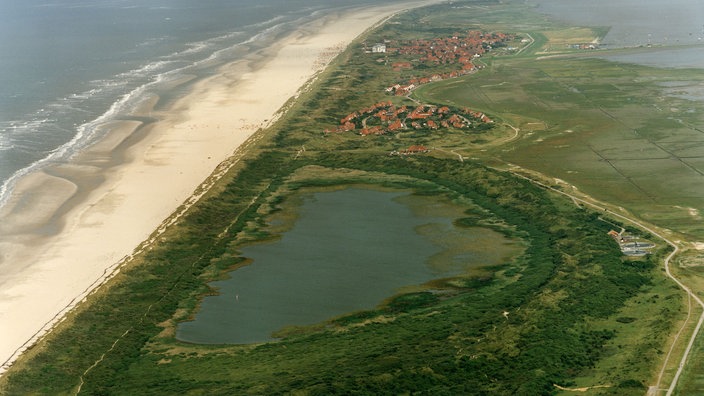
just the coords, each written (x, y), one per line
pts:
(459, 50)
(412, 150)
(415, 82)
(369, 110)
(587, 46)
(384, 117)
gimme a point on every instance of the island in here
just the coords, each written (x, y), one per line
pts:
(545, 192)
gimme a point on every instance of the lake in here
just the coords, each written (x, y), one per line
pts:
(346, 251)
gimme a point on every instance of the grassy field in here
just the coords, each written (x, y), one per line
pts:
(620, 139)
(561, 313)
(612, 128)
(568, 311)
(624, 134)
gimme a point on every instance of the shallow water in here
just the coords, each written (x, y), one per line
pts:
(634, 22)
(674, 57)
(640, 23)
(348, 250)
(67, 67)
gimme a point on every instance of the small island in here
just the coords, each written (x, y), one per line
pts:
(509, 162)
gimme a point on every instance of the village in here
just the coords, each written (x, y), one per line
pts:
(385, 117)
(459, 50)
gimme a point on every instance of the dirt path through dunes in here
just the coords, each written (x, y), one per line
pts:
(582, 390)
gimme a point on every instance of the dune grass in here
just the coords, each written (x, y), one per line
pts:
(568, 311)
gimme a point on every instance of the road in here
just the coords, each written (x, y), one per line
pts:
(655, 389)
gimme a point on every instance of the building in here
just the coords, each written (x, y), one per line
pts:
(379, 48)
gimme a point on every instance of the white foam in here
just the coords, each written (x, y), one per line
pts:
(147, 76)
(84, 135)
(146, 70)
(200, 46)
(267, 22)
(5, 143)
(256, 38)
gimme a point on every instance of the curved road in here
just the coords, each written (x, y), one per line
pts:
(653, 390)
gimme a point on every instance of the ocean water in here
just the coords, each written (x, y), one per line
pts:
(67, 66)
(676, 24)
(634, 22)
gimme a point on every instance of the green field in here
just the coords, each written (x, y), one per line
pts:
(621, 139)
(568, 310)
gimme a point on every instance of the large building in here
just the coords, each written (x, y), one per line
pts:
(378, 48)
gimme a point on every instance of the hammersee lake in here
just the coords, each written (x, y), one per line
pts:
(344, 251)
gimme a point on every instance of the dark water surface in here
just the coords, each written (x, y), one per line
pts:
(347, 251)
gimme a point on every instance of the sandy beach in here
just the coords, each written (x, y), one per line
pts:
(67, 228)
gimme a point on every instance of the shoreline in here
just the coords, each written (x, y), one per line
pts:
(113, 196)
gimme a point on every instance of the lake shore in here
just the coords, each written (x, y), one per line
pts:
(67, 228)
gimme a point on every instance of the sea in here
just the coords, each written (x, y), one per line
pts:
(69, 66)
(677, 25)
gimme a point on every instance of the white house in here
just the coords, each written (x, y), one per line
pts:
(379, 48)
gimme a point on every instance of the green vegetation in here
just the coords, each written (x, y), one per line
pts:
(453, 339)
(569, 311)
(619, 135)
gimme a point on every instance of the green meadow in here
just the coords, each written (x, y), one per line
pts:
(608, 128)
(562, 308)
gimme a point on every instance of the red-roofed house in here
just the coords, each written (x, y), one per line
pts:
(395, 126)
(375, 130)
(416, 149)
